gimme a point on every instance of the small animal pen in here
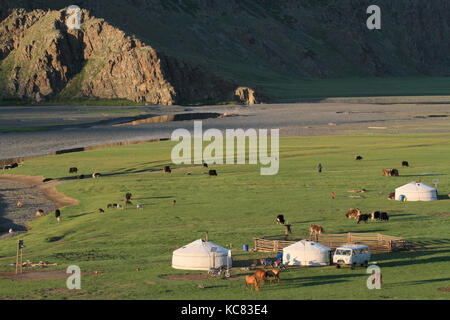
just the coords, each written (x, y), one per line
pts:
(377, 242)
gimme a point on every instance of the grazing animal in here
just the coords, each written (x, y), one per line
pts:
(205, 165)
(47, 180)
(391, 196)
(119, 206)
(174, 202)
(275, 274)
(358, 158)
(114, 205)
(252, 281)
(353, 213)
(394, 172)
(100, 210)
(96, 175)
(212, 173)
(139, 206)
(405, 164)
(58, 215)
(110, 205)
(128, 196)
(386, 172)
(261, 274)
(19, 204)
(316, 229)
(384, 216)
(376, 215)
(73, 170)
(39, 213)
(362, 217)
(166, 169)
(7, 167)
(280, 219)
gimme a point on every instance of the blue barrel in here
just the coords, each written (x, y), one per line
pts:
(402, 198)
(279, 256)
(245, 247)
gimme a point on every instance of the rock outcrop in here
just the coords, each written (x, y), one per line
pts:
(42, 59)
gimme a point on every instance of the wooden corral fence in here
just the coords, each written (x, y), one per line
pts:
(377, 242)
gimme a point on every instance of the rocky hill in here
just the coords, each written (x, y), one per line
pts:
(174, 51)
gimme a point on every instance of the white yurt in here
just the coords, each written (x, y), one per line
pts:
(200, 255)
(416, 191)
(306, 253)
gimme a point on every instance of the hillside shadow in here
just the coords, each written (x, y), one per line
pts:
(5, 223)
(423, 175)
(312, 281)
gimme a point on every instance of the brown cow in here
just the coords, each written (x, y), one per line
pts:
(261, 274)
(386, 172)
(315, 229)
(252, 281)
(274, 273)
(353, 213)
(166, 169)
(391, 196)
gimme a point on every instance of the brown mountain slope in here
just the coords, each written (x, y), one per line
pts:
(43, 59)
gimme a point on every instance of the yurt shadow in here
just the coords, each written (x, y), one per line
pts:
(288, 283)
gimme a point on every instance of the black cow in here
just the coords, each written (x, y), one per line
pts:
(394, 172)
(358, 158)
(376, 215)
(14, 165)
(405, 164)
(73, 170)
(166, 169)
(362, 217)
(280, 219)
(205, 164)
(128, 196)
(384, 216)
(212, 173)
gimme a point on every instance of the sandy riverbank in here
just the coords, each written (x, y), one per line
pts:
(33, 194)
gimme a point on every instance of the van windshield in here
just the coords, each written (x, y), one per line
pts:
(342, 252)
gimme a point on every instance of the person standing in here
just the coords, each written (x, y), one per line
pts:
(332, 195)
(320, 167)
(58, 215)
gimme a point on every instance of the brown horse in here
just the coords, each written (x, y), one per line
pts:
(252, 281)
(274, 273)
(315, 229)
(261, 274)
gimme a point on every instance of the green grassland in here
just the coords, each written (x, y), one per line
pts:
(234, 207)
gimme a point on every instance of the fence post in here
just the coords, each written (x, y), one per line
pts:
(256, 244)
(349, 237)
(276, 246)
(390, 245)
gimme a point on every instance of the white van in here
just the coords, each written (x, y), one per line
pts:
(352, 254)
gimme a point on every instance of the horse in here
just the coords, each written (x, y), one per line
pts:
(252, 281)
(261, 274)
(273, 274)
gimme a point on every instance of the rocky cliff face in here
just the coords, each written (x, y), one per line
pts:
(43, 59)
(197, 45)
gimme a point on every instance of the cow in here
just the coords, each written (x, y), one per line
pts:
(128, 196)
(174, 202)
(14, 165)
(252, 281)
(384, 216)
(316, 229)
(353, 213)
(405, 164)
(261, 274)
(376, 215)
(100, 210)
(280, 219)
(358, 158)
(212, 173)
(362, 217)
(139, 207)
(205, 165)
(391, 196)
(73, 170)
(394, 172)
(166, 169)
(110, 205)
(275, 274)
(386, 172)
(39, 213)
(96, 175)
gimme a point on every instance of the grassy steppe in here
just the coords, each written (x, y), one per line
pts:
(234, 207)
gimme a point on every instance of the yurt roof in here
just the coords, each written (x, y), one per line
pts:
(200, 248)
(416, 187)
(306, 245)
